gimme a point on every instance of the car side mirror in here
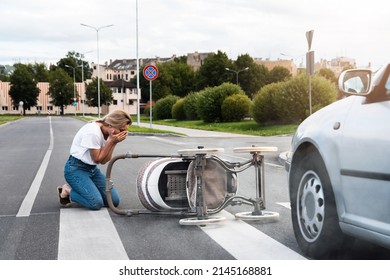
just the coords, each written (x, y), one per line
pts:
(355, 82)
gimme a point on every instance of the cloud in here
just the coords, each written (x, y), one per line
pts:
(44, 30)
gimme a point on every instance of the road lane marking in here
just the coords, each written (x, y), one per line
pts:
(89, 235)
(28, 202)
(160, 139)
(244, 242)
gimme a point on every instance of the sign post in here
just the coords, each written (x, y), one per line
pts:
(309, 63)
(150, 74)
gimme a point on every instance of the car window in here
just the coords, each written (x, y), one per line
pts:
(387, 86)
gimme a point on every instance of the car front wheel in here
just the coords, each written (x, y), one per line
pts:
(313, 208)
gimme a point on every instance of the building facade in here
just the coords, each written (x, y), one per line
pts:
(116, 75)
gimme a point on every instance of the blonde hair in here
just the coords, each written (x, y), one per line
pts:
(117, 119)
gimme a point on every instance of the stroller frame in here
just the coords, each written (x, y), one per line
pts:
(202, 215)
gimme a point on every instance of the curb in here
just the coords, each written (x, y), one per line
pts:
(283, 157)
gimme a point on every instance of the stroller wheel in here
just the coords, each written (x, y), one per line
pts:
(195, 221)
(265, 216)
(200, 151)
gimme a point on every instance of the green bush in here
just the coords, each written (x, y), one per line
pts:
(292, 103)
(235, 107)
(263, 108)
(210, 100)
(289, 101)
(190, 106)
(163, 107)
(178, 112)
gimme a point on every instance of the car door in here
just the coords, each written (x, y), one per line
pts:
(365, 164)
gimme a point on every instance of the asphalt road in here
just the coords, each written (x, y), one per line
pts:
(33, 226)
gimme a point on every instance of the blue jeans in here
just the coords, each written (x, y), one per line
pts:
(88, 184)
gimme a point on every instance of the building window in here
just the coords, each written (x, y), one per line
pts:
(39, 108)
(131, 102)
(115, 102)
(49, 108)
(4, 108)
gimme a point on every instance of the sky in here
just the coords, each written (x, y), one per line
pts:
(44, 31)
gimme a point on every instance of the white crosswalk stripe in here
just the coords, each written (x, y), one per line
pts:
(88, 235)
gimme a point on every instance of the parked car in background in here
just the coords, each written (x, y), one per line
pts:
(339, 168)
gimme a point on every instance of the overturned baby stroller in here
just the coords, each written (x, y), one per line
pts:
(195, 184)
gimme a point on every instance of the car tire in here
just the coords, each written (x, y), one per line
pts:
(313, 209)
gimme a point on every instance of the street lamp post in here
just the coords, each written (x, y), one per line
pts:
(136, 42)
(82, 80)
(21, 103)
(97, 49)
(234, 71)
(82, 87)
(74, 87)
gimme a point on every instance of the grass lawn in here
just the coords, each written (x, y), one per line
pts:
(8, 118)
(249, 127)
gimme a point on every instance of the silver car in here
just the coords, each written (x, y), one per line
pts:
(339, 168)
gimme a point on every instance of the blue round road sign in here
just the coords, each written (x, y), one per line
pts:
(150, 72)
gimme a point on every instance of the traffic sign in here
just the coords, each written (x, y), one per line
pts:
(309, 37)
(310, 62)
(150, 72)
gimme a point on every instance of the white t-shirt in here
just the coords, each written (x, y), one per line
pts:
(88, 137)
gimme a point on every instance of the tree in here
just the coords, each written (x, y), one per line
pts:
(4, 76)
(213, 71)
(61, 89)
(253, 79)
(23, 87)
(39, 71)
(75, 60)
(182, 78)
(278, 74)
(91, 93)
(328, 74)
